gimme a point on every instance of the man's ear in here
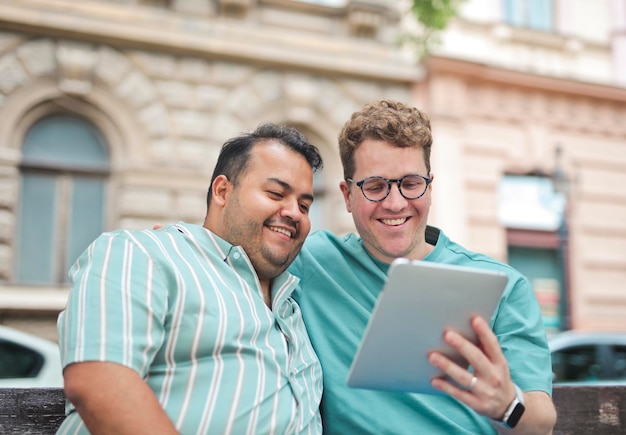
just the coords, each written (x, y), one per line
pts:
(345, 192)
(221, 188)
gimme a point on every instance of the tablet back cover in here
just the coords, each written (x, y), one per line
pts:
(418, 301)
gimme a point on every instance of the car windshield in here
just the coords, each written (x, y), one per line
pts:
(589, 358)
(18, 361)
(577, 363)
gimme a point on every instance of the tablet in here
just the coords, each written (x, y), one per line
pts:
(418, 301)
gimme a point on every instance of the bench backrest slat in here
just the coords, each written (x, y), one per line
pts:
(581, 410)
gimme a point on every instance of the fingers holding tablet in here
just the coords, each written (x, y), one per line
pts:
(487, 386)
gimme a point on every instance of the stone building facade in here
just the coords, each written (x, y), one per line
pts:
(505, 90)
(164, 83)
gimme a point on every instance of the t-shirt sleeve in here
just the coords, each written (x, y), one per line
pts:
(117, 305)
(520, 330)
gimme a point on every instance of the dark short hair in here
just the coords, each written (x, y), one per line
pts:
(235, 152)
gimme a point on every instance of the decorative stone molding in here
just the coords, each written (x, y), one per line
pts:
(530, 37)
(194, 7)
(155, 3)
(37, 57)
(238, 8)
(75, 67)
(12, 74)
(366, 17)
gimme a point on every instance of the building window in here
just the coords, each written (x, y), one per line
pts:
(531, 14)
(532, 213)
(63, 173)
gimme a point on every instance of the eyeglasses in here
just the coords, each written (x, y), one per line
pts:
(377, 188)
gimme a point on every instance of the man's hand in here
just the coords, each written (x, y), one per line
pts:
(489, 390)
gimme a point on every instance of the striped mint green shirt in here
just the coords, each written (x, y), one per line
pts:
(184, 309)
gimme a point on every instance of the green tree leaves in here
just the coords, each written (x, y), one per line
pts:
(432, 17)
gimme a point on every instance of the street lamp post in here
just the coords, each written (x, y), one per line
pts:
(562, 184)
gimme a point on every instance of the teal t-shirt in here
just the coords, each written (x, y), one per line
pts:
(339, 285)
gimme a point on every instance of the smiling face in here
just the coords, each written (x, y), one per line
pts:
(266, 211)
(394, 227)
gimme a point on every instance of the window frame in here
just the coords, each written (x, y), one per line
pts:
(66, 177)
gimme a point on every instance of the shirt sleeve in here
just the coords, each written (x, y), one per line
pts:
(117, 305)
(520, 330)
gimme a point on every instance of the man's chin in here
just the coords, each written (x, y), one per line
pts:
(390, 253)
(274, 265)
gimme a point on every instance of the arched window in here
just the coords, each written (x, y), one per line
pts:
(64, 168)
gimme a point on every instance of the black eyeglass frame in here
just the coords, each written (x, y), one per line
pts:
(389, 181)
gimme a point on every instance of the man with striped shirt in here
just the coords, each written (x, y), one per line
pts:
(192, 329)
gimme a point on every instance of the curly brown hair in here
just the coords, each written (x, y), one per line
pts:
(387, 120)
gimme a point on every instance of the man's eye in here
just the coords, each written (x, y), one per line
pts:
(305, 208)
(375, 188)
(276, 194)
(411, 185)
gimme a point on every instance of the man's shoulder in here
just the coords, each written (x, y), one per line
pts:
(323, 248)
(135, 236)
(119, 235)
(456, 254)
(149, 240)
(326, 237)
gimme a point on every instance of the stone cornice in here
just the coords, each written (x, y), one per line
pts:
(137, 27)
(487, 73)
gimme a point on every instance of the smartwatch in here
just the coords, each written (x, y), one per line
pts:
(514, 412)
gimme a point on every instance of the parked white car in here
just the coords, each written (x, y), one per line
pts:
(27, 361)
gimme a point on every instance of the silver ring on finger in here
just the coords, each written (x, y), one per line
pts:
(472, 383)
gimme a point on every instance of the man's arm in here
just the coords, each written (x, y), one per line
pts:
(493, 391)
(539, 416)
(113, 399)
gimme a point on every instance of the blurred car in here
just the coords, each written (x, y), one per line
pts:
(28, 361)
(588, 358)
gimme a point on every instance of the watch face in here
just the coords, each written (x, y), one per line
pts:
(515, 415)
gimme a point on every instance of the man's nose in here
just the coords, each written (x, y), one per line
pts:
(395, 198)
(291, 209)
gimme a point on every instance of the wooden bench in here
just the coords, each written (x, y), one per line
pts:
(581, 410)
(31, 410)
